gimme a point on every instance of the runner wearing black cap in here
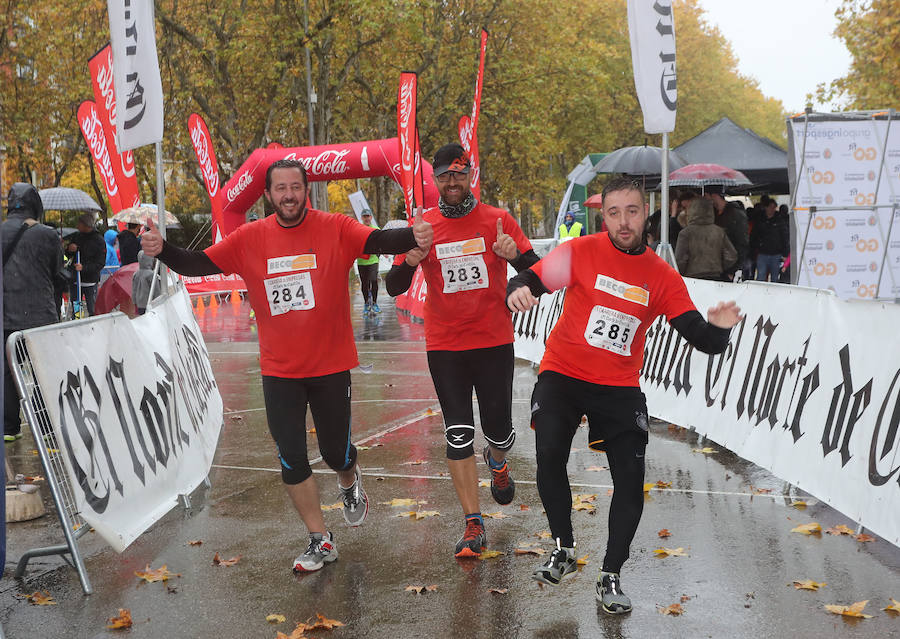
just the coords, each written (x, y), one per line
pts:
(615, 289)
(468, 332)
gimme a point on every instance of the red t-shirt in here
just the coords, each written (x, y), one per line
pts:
(297, 283)
(611, 300)
(465, 307)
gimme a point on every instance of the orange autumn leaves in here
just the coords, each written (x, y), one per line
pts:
(322, 623)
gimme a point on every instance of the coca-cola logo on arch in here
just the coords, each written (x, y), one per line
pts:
(327, 163)
(242, 183)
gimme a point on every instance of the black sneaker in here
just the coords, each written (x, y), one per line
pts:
(503, 488)
(473, 541)
(609, 592)
(562, 561)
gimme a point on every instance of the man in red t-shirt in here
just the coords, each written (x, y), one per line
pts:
(295, 265)
(468, 330)
(615, 289)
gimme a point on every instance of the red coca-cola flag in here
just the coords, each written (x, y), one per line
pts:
(479, 82)
(92, 130)
(101, 68)
(469, 141)
(206, 156)
(406, 137)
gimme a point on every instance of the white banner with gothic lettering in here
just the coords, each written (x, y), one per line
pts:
(651, 30)
(136, 412)
(808, 388)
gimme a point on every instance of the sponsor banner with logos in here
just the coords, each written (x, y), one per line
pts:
(92, 129)
(135, 409)
(101, 68)
(209, 167)
(468, 125)
(847, 163)
(218, 283)
(805, 389)
(408, 140)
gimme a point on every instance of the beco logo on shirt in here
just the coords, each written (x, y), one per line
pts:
(290, 263)
(458, 249)
(622, 290)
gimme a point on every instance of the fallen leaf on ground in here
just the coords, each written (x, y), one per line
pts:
(41, 598)
(498, 591)
(664, 533)
(543, 535)
(808, 584)
(706, 450)
(596, 469)
(524, 507)
(159, 574)
(358, 447)
(420, 589)
(894, 607)
(808, 529)
(195, 542)
(237, 418)
(417, 462)
(490, 554)
(218, 561)
(273, 618)
(853, 610)
(324, 623)
(609, 492)
(583, 505)
(496, 515)
(418, 514)
(673, 609)
(402, 501)
(670, 552)
(759, 491)
(334, 506)
(862, 537)
(312, 430)
(429, 411)
(840, 529)
(799, 505)
(123, 620)
(582, 561)
(530, 551)
(663, 484)
(484, 484)
(685, 598)
(584, 497)
(648, 487)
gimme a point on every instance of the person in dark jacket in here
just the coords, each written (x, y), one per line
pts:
(704, 250)
(770, 239)
(29, 268)
(88, 250)
(129, 244)
(731, 218)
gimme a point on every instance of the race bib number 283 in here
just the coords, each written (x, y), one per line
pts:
(292, 292)
(611, 330)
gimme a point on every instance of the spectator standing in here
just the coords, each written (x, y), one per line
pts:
(88, 250)
(129, 244)
(731, 218)
(704, 250)
(770, 240)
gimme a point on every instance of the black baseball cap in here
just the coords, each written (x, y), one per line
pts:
(450, 157)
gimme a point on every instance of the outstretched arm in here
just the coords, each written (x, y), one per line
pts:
(708, 336)
(183, 261)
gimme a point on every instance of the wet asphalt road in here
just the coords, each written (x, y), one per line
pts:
(735, 581)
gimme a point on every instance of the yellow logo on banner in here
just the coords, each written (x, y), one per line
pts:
(823, 222)
(867, 245)
(825, 268)
(818, 177)
(864, 199)
(865, 153)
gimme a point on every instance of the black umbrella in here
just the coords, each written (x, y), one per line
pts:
(638, 160)
(60, 198)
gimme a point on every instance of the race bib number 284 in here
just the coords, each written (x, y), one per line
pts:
(292, 292)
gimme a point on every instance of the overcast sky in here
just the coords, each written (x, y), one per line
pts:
(787, 45)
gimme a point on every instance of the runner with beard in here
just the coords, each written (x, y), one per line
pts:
(468, 330)
(615, 289)
(295, 265)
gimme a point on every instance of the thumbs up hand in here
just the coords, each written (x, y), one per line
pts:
(422, 231)
(151, 240)
(505, 246)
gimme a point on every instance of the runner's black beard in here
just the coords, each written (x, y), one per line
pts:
(458, 210)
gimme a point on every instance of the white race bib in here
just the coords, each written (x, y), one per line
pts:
(292, 292)
(465, 273)
(611, 330)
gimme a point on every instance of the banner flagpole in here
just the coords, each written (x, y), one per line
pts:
(161, 212)
(665, 249)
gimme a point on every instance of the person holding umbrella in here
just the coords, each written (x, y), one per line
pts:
(88, 250)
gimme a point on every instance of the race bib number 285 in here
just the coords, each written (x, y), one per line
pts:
(611, 330)
(292, 292)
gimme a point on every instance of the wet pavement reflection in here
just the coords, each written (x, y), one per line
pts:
(731, 518)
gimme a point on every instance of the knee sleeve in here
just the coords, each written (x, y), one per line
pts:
(503, 444)
(460, 438)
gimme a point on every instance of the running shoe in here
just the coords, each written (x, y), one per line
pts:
(356, 502)
(609, 592)
(503, 488)
(376, 308)
(562, 561)
(473, 540)
(12, 438)
(366, 309)
(321, 551)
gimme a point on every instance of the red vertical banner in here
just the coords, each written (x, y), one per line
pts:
(479, 82)
(101, 68)
(469, 141)
(92, 130)
(407, 139)
(206, 156)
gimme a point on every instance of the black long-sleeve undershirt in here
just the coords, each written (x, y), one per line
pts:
(197, 263)
(699, 333)
(399, 278)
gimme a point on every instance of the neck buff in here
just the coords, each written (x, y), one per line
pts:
(458, 210)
